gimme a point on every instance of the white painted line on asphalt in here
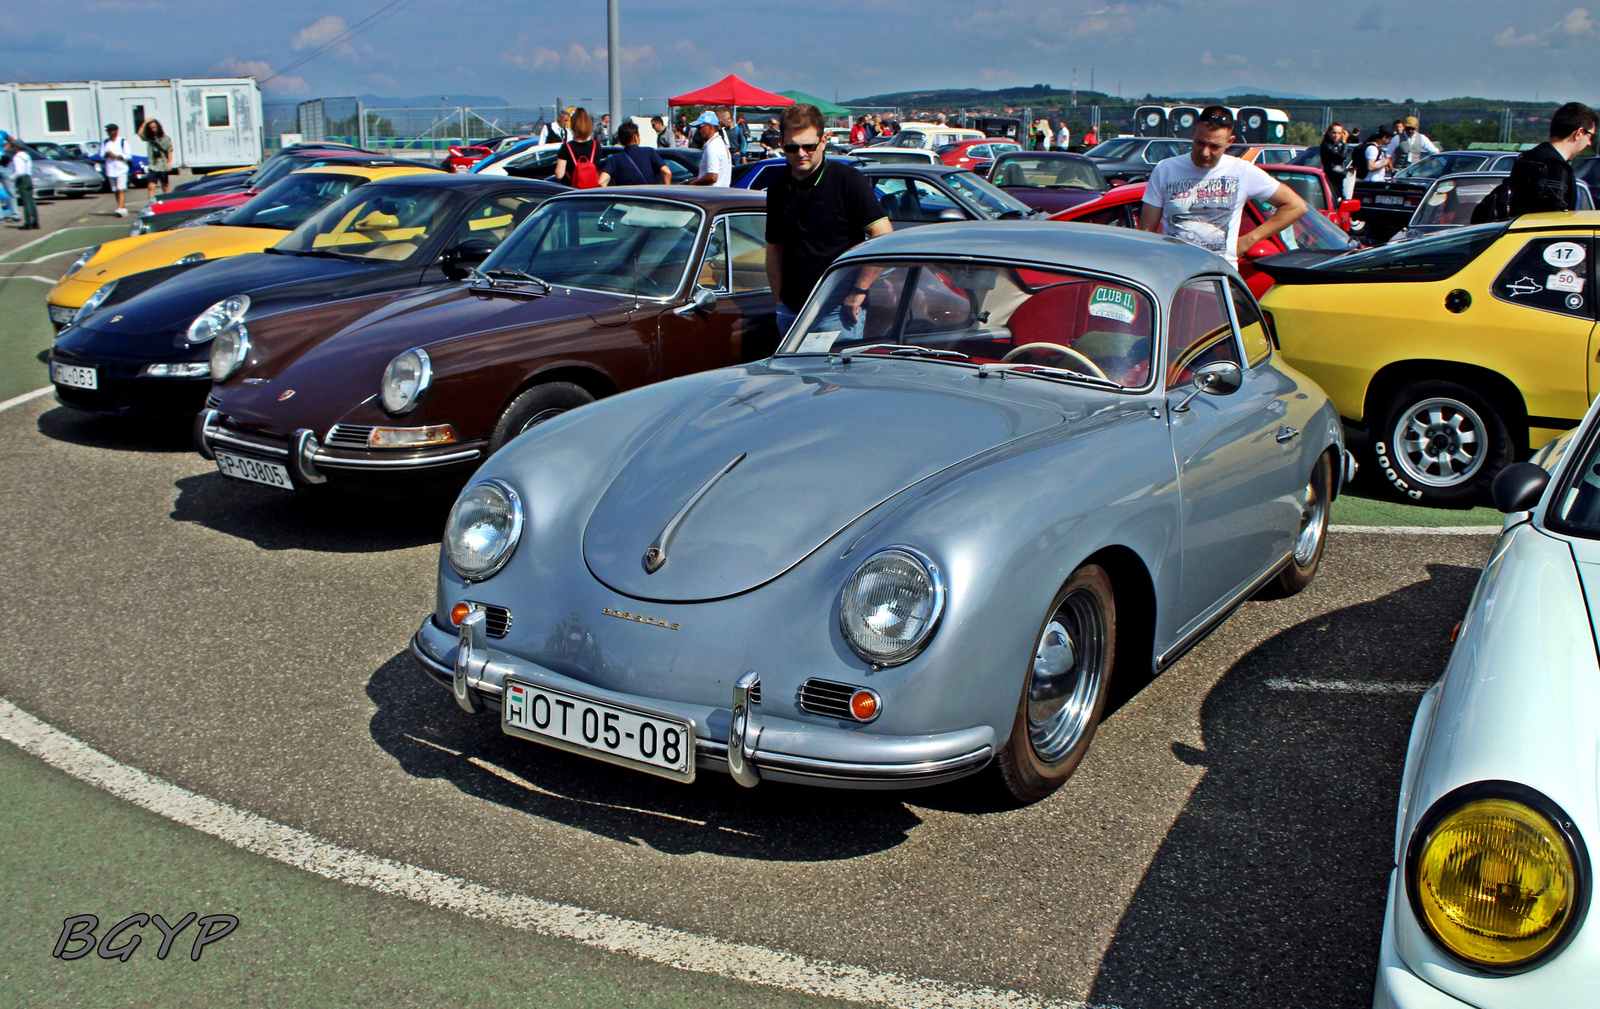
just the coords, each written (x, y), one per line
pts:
(1349, 686)
(25, 397)
(28, 276)
(655, 943)
(1419, 530)
(57, 255)
(36, 241)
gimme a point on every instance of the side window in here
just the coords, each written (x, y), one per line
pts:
(1116, 217)
(899, 203)
(933, 201)
(1152, 153)
(1199, 331)
(1252, 328)
(1550, 274)
(714, 267)
(495, 218)
(747, 253)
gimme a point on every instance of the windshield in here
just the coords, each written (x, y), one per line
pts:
(1436, 165)
(986, 313)
(1575, 506)
(1425, 259)
(292, 201)
(987, 197)
(391, 223)
(618, 245)
(1123, 147)
(1042, 171)
(52, 151)
(1311, 231)
(1450, 202)
(280, 168)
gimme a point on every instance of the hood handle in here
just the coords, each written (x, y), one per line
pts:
(656, 555)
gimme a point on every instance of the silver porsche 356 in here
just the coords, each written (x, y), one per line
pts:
(918, 542)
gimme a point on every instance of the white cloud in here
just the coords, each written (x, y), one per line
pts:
(320, 32)
(1208, 60)
(230, 66)
(1576, 23)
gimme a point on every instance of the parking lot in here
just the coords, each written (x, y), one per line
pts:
(1227, 842)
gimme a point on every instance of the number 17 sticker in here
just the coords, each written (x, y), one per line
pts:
(1564, 254)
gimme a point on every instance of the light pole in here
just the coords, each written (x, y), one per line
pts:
(614, 66)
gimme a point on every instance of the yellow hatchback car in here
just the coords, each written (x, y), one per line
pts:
(252, 227)
(1459, 353)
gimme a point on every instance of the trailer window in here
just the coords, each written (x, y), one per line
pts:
(57, 117)
(218, 116)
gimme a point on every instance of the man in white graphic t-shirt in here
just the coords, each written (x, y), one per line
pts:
(1200, 196)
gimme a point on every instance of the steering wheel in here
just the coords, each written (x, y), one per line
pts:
(1071, 358)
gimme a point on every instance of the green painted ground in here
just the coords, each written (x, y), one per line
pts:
(68, 849)
(24, 332)
(71, 238)
(1360, 507)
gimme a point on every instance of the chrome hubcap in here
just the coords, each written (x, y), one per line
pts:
(1440, 443)
(1068, 665)
(539, 418)
(1313, 522)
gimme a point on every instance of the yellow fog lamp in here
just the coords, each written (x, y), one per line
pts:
(1498, 876)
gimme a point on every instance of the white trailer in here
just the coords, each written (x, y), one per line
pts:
(213, 122)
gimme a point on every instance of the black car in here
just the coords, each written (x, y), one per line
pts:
(913, 195)
(226, 181)
(145, 351)
(1386, 207)
(1131, 159)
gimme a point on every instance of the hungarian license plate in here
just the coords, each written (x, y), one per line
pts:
(76, 377)
(254, 470)
(646, 741)
(61, 315)
(1390, 201)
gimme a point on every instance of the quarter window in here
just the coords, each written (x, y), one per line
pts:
(57, 117)
(1252, 328)
(1550, 274)
(1200, 331)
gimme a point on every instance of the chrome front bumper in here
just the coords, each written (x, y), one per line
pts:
(307, 466)
(740, 739)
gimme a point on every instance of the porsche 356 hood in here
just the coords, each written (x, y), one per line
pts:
(800, 457)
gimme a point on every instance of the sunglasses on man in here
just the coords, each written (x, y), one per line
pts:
(797, 148)
(1224, 121)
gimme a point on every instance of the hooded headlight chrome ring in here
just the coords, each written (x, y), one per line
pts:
(483, 529)
(193, 257)
(225, 314)
(1498, 876)
(96, 299)
(890, 608)
(83, 260)
(229, 351)
(405, 380)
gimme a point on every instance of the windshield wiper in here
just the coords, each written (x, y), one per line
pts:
(505, 277)
(1045, 371)
(323, 253)
(903, 350)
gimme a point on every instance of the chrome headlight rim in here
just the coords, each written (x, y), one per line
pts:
(230, 313)
(193, 257)
(424, 380)
(92, 304)
(83, 260)
(1565, 828)
(940, 594)
(513, 537)
(234, 361)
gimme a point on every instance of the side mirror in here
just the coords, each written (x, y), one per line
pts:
(951, 214)
(1519, 486)
(1261, 250)
(473, 250)
(1349, 206)
(704, 300)
(1219, 378)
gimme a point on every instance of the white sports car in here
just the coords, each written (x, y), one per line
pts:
(1489, 898)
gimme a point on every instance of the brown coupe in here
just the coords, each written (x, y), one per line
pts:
(595, 293)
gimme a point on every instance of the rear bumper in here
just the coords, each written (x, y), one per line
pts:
(775, 748)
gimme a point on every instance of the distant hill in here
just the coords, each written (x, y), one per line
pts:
(1282, 96)
(954, 98)
(1041, 96)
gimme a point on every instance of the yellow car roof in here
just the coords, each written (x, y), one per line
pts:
(1558, 219)
(371, 174)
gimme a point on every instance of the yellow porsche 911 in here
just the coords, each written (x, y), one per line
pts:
(250, 227)
(1458, 353)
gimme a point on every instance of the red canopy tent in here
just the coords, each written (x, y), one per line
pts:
(732, 91)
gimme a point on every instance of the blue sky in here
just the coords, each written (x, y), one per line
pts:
(530, 53)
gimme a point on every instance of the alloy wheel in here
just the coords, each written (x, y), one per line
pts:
(1439, 442)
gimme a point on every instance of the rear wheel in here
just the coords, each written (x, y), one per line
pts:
(1064, 692)
(1441, 444)
(1313, 534)
(533, 407)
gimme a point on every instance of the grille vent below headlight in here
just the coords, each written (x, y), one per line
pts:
(213, 401)
(496, 620)
(828, 699)
(349, 435)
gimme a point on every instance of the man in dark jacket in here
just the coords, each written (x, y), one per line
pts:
(1335, 154)
(1541, 179)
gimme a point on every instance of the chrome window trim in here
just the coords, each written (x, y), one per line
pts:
(1233, 321)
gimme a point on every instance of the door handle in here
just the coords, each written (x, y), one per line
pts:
(1286, 433)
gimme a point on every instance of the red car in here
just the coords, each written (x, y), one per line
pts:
(462, 158)
(976, 154)
(1120, 209)
(1311, 185)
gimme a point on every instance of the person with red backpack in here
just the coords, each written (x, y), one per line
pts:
(577, 162)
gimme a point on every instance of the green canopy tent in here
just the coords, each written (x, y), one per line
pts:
(824, 106)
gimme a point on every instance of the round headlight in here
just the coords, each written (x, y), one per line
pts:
(193, 257)
(225, 314)
(96, 299)
(483, 529)
(228, 351)
(405, 380)
(83, 260)
(891, 605)
(1494, 880)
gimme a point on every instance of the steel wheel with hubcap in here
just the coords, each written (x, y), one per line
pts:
(1441, 443)
(1064, 692)
(1311, 537)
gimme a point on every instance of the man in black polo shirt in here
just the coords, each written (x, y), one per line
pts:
(815, 211)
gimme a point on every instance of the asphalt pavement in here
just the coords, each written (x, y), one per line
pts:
(1226, 842)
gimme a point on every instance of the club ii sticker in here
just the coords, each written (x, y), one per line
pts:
(1110, 303)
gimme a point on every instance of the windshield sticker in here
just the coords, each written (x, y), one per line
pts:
(1564, 254)
(1446, 186)
(1110, 303)
(1526, 285)
(1564, 280)
(1438, 199)
(1574, 301)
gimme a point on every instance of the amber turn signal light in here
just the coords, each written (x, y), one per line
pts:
(1455, 632)
(459, 612)
(864, 705)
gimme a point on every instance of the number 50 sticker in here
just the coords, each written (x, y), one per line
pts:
(1564, 254)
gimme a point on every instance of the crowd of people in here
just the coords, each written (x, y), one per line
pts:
(18, 202)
